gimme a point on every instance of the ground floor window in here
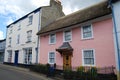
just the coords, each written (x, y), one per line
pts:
(28, 56)
(10, 56)
(51, 57)
(88, 57)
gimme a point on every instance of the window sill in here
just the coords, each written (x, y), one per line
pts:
(68, 41)
(87, 38)
(28, 41)
(89, 65)
(29, 24)
(9, 45)
(52, 43)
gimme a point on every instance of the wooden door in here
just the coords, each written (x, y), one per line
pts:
(66, 61)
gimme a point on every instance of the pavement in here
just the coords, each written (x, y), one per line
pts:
(22, 71)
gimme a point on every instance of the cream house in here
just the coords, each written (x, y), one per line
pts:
(21, 39)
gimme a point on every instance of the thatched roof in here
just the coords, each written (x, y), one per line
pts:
(80, 16)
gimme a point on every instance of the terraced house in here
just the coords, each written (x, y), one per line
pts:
(22, 41)
(83, 38)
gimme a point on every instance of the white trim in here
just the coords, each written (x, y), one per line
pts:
(54, 57)
(82, 32)
(50, 38)
(64, 36)
(83, 57)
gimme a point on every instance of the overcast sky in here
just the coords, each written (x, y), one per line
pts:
(11, 10)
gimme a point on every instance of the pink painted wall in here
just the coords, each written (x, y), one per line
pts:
(102, 43)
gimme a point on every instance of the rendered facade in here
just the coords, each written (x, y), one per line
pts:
(83, 38)
(22, 43)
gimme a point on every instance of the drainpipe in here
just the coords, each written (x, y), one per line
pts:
(39, 23)
(116, 39)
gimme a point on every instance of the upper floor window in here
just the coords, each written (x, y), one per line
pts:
(30, 19)
(18, 39)
(51, 57)
(67, 36)
(10, 29)
(19, 26)
(29, 36)
(52, 38)
(87, 32)
(88, 57)
(10, 40)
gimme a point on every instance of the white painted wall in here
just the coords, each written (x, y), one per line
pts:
(23, 38)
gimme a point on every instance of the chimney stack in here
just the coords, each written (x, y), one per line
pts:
(58, 1)
(55, 1)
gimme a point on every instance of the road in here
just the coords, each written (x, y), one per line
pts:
(14, 73)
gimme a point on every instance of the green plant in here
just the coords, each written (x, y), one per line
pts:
(68, 74)
(80, 73)
(41, 68)
(80, 69)
(92, 73)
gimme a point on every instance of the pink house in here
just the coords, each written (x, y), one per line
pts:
(83, 38)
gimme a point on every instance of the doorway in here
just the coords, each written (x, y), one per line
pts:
(16, 57)
(66, 62)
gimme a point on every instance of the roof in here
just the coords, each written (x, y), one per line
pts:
(35, 11)
(65, 47)
(2, 40)
(113, 1)
(80, 16)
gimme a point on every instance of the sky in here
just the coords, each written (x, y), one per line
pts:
(12, 10)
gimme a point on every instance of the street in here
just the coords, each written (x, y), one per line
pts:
(15, 73)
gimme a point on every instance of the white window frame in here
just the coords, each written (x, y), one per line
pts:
(64, 36)
(9, 56)
(91, 32)
(29, 36)
(10, 42)
(29, 20)
(83, 57)
(19, 26)
(54, 57)
(18, 39)
(50, 38)
(27, 59)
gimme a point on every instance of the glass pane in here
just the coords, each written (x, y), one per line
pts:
(52, 38)
(67, 36)
(87, 31)
(88, 57)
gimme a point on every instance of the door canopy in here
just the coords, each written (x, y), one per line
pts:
(65, 48)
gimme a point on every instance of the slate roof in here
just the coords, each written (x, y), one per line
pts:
(65, 47)
(113, 1)
(92, 12)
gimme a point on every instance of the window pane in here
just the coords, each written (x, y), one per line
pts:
(28, 56)
(87, 31)
(88, 57)
(52, 38)
(67, 35)
(29, 35)
(30, 19)
(52, 57)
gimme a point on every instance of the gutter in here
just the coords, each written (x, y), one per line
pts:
(116, 35)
